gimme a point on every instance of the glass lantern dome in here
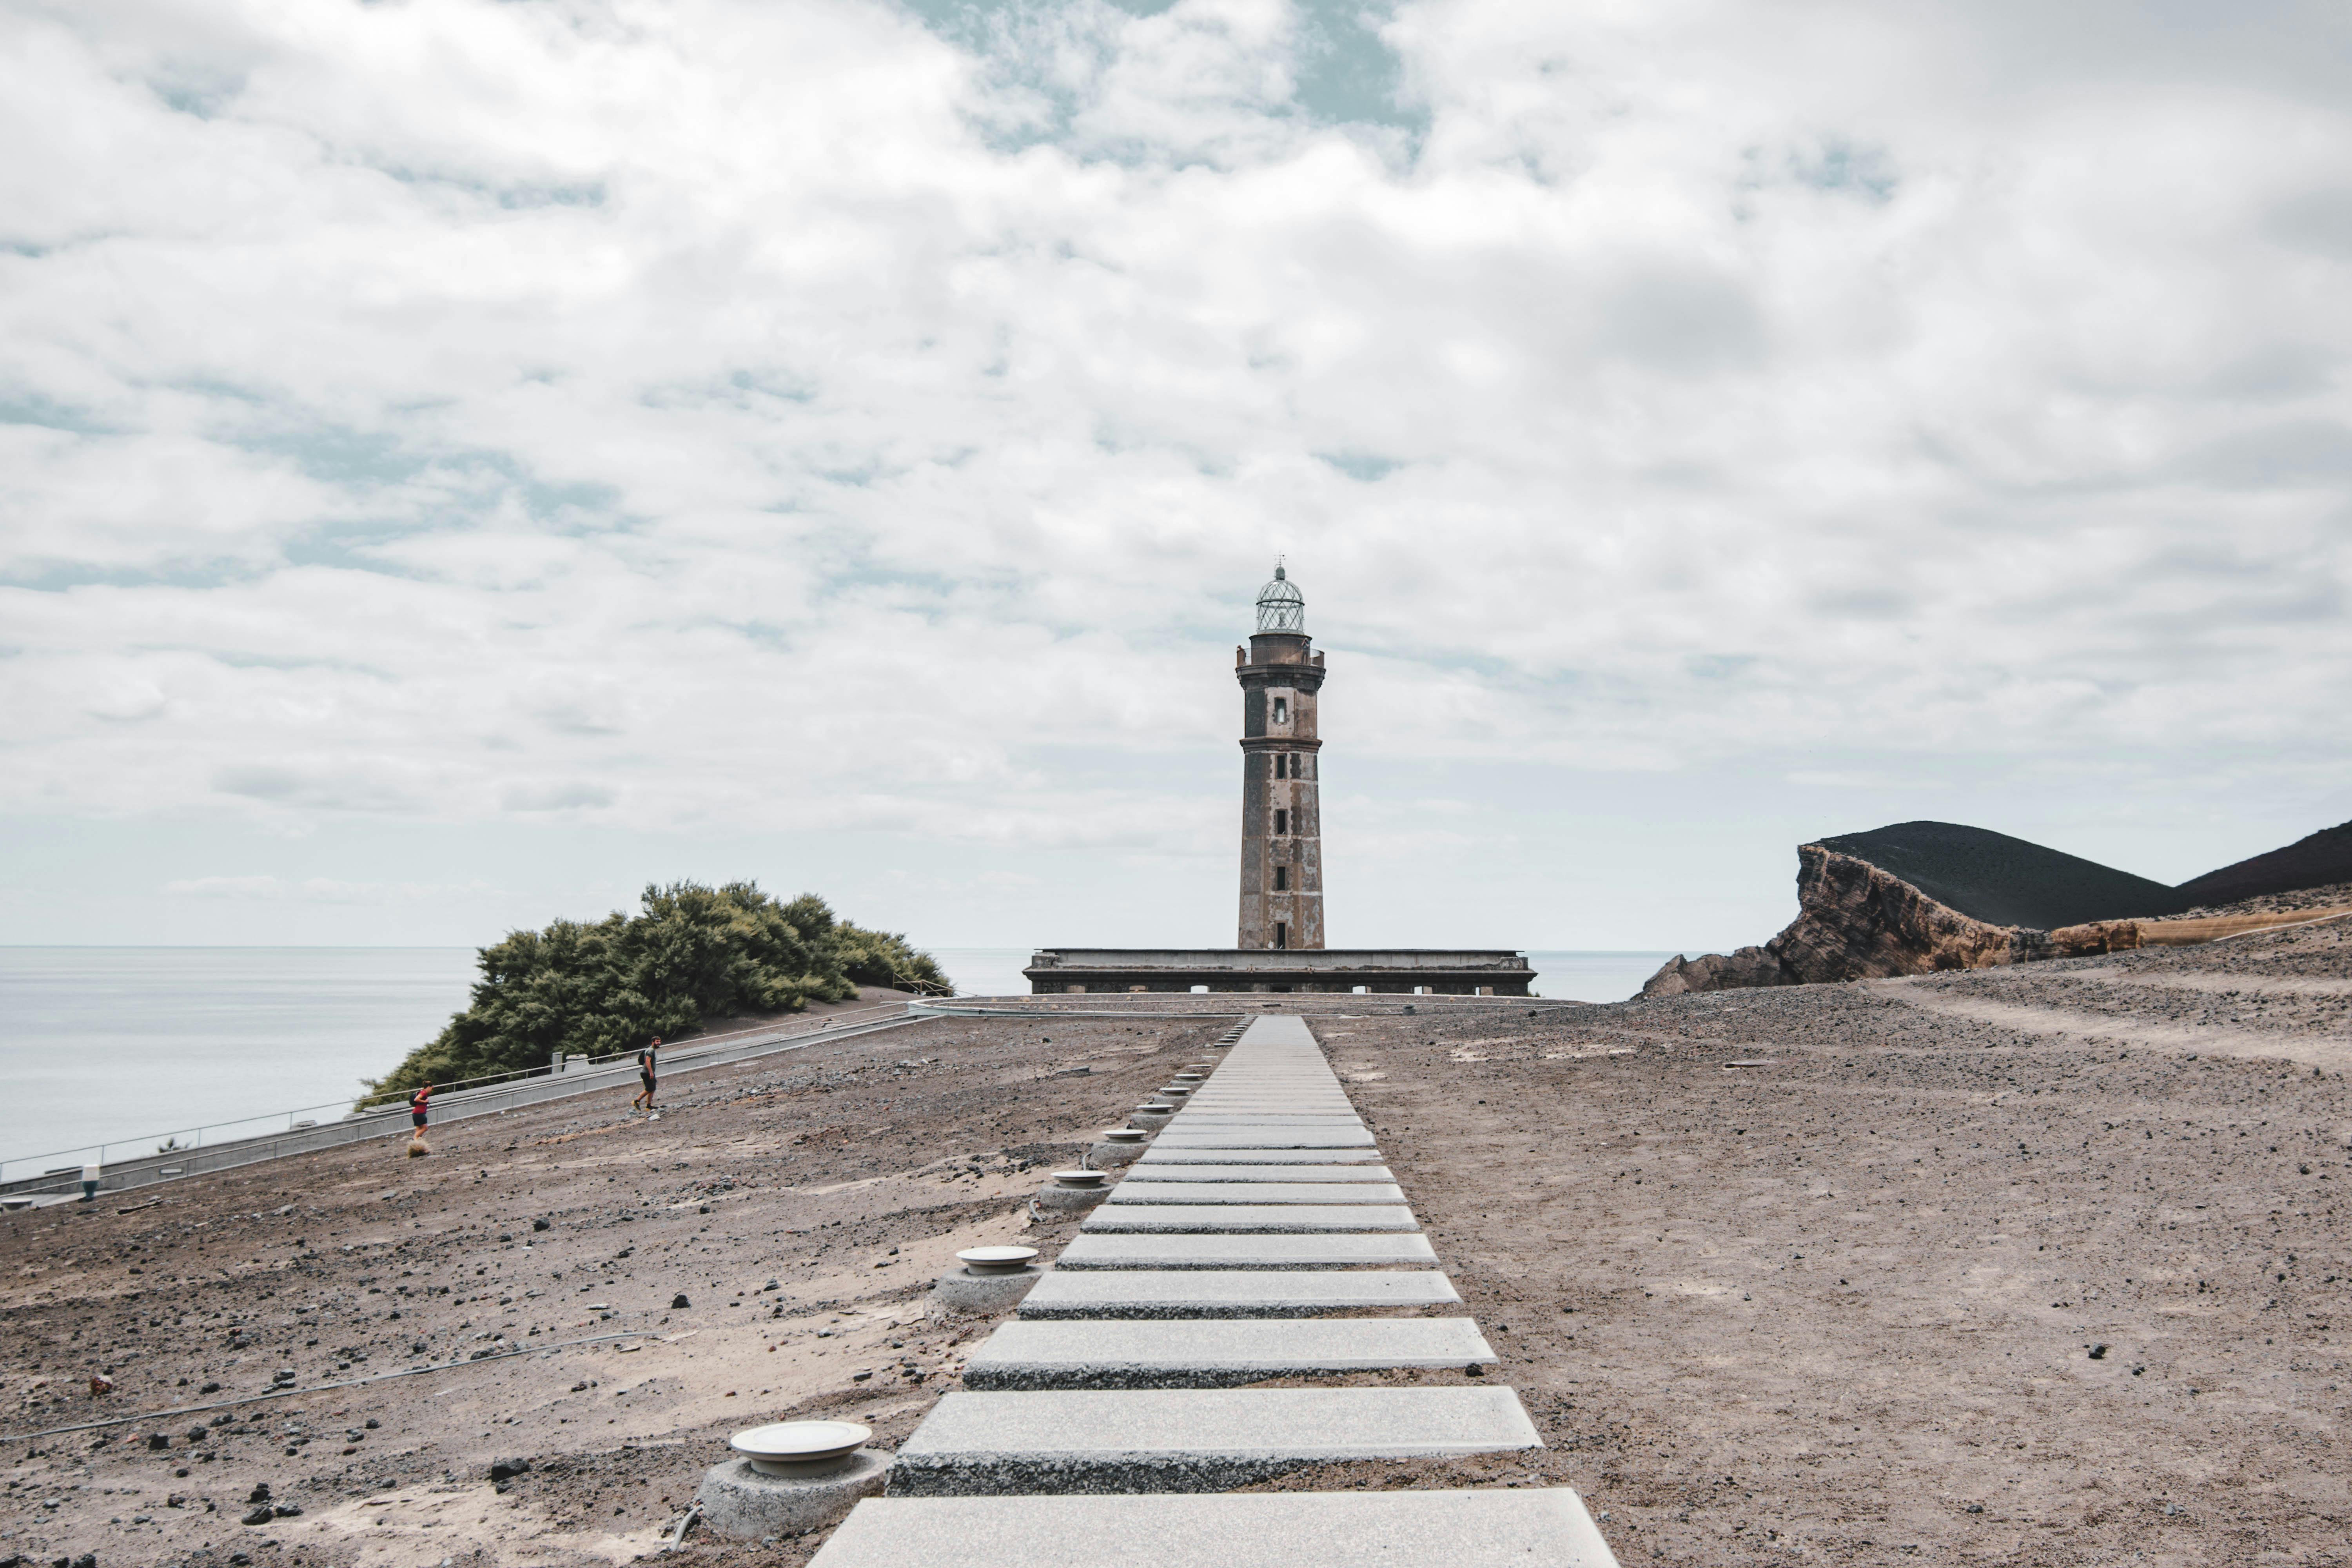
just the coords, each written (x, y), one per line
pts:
(1280, 606)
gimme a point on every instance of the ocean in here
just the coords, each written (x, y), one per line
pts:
(125, 1048)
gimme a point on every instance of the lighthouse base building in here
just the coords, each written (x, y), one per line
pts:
(1397, 971)
(1279, 944)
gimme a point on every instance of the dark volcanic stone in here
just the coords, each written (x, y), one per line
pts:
(2323, 858)
(2005, 882)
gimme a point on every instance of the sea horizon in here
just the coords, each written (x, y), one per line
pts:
(126, 1047)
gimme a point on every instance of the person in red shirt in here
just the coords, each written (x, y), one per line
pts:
(416, 1107)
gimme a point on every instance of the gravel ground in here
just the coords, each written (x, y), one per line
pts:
(1849, 1273)
(2034, 1266)
(802, 1205)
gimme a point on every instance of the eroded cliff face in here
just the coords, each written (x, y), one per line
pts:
(1854, 922)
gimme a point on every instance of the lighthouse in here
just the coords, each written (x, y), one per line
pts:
(1281, 677)
(1280, 947)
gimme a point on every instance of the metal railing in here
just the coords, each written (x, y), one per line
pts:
(159, 1156)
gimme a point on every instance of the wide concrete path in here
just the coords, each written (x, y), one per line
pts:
(1259, 1236)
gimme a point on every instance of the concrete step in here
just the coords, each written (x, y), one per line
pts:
(1546, 1527)
(1252, 1116)
(1232, 1292)
(1173, 1155)
(1295, 1219)
(1182, 1353)
(1375, 1250)
(1167, 1171)
(1190, 1440)
(1265, 1135)
(1256, 1193)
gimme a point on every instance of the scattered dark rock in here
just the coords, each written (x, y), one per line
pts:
(158, 1441)
(260, 1492)
(2098, 1352)
(541, 1225)
(678, 1302)
(507, 1469)
(259, 1514)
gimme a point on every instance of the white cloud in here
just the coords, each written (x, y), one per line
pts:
(725, 418)
(322, 890)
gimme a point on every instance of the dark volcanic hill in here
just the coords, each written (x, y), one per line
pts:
(2317, 861)
(2006, 882)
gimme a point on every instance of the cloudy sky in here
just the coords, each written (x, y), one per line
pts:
(463, 461)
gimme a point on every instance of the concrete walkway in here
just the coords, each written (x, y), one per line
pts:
(1217, 1262)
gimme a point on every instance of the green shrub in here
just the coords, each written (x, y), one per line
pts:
(692, 952)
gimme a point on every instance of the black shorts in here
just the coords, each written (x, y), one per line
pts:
(417, 1117)
(648, 1079)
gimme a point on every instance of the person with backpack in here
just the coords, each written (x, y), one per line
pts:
(416, 1107)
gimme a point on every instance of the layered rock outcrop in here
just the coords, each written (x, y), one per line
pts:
(1857, 919)
(1854, 922)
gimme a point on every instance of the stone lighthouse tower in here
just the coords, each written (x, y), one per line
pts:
(1282, 819)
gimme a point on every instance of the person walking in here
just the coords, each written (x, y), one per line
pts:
(648, 1068)
(416, 1108)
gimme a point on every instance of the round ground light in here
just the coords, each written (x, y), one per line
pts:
(1083, 1179)
(789, 1478)
(798, 1447)
(1123, 1135)
(997, 1259)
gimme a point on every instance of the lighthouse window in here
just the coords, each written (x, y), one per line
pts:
(1282, 710)
(1281, 764)
(1282, 879)
(1281, 934)
(1281, 822)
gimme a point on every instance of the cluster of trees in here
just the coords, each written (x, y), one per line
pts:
(692, 952)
